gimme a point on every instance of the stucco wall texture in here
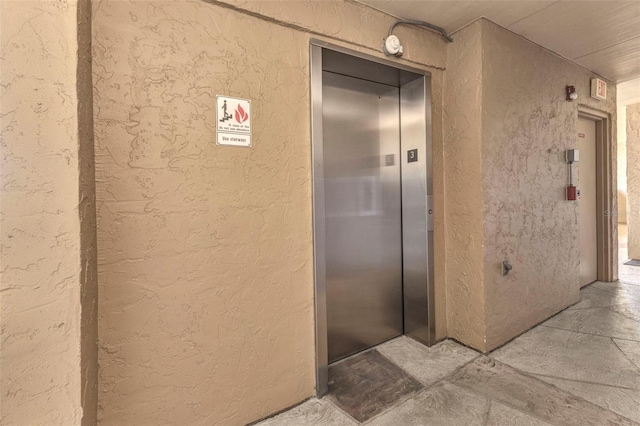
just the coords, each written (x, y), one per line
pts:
(205, 253)
(526, 126)
(621, 110)
(87, 217)
(507, 121)
(40, 360)
(633, 179)
(463, 187)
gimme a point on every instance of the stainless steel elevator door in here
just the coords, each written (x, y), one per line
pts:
(361, 126)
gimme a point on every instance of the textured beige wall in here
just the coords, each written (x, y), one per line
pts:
(622, 161)
(205, 252)
(507, 125)
(347, 21)
(633, 179)
(463, 187)
(627, 93)
(526, 126)
(40, 361)
(87, 216)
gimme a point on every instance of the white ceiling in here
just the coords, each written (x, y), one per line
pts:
(603, 36)
(628, 92)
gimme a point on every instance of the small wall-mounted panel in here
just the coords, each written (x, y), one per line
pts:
(599, 89)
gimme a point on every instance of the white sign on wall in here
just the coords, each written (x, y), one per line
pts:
(233, 118)
(599, 89)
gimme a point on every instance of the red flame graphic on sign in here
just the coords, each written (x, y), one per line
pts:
(241, 115)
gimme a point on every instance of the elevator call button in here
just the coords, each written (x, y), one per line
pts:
(412, 155)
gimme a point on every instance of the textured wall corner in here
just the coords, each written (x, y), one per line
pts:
(507, 127)
(527, 125)
(622, 206)
(439, 219)
(40, 236)
(87, 217)
(633, 179)
(463, 188)
(205, 253)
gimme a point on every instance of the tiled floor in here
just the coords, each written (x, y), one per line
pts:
(581, 367)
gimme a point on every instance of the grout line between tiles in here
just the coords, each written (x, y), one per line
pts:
(549, 376)
(418, 380)
(628, 283)
(609, 288)
(396, 405)
(406, 372)
(423, 390)
(505, 403)
(615, 287)
(337, 407)
(625, 355)
(487, 413)
(581, 309)
(608, 307)
(590, 334)
(532, 376)
(621, 313)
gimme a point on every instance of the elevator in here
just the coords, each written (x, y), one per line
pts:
(372, 192)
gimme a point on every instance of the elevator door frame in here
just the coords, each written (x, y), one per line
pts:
(417, 190)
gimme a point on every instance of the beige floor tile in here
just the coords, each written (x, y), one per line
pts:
(532, 396)
(311, 413)
(618, 297)
(428, 365)
(598, 321)
(444, 404)
(624, 297)
(625, 402)
(630, 310)
(631, 350)
(501, 415)
(623, 291)
(607, 295)
(569, 355)
(627, 273)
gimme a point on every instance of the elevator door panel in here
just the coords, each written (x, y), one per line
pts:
(361, 148)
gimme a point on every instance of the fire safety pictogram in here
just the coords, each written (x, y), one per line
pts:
(233, 116)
